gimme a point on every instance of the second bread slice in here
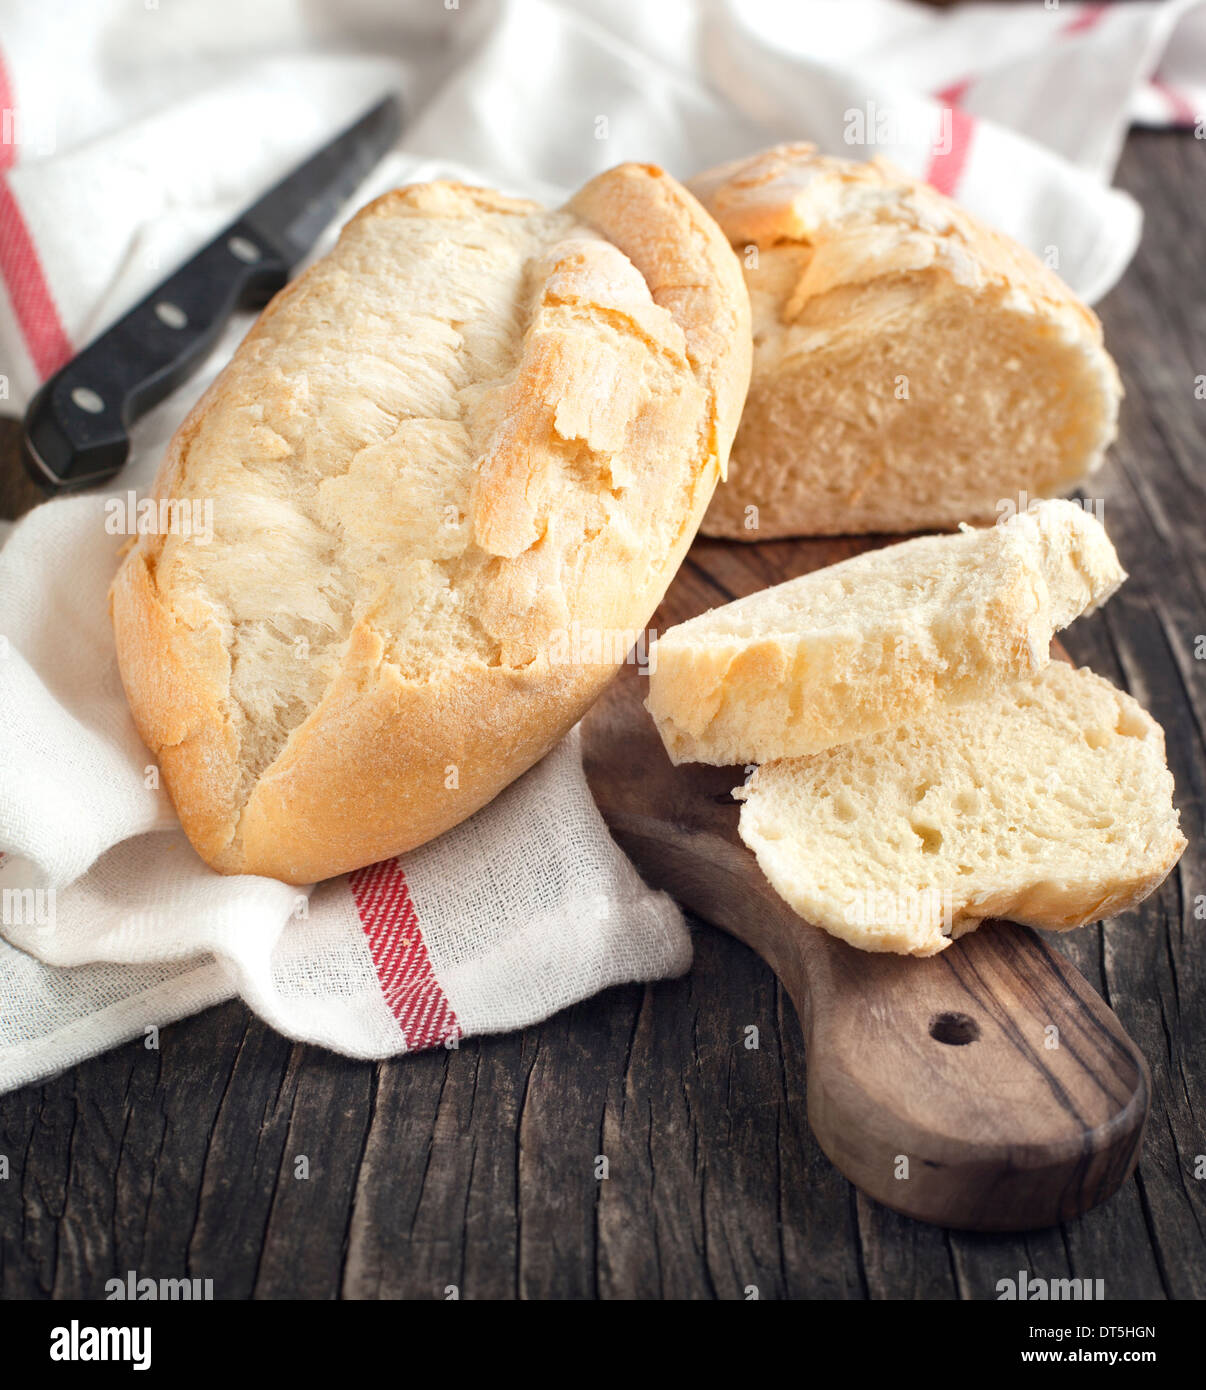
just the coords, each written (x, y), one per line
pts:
(877, 639)
(1048, 803)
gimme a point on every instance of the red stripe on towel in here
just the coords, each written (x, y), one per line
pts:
(408, 983)
(1180, 107)
(954, 94)
(8, 104)
(1088, 18)
(946, 167)
(20, 267)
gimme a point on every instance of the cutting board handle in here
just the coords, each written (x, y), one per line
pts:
(988, 1087)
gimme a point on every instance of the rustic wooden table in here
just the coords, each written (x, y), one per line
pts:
(475, 1168)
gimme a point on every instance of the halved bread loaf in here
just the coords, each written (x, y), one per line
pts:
(912, 366)
(1047, 802)
(475, 426)
(872, 641)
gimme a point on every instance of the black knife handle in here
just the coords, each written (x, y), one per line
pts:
(76, 426)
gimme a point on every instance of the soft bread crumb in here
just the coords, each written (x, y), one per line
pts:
(912, 366)
(872, 641)
(1047, 802)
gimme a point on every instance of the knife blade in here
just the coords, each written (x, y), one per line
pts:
(76, 426)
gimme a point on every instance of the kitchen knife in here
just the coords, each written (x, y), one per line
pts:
(76, 425)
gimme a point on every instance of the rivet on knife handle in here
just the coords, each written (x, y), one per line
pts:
(75, 428)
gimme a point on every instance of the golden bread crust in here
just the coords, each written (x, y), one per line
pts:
(473, 431)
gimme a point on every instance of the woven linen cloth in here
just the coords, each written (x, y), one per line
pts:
(131, 132)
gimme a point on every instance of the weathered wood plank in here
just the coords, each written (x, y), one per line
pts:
(1152, 965)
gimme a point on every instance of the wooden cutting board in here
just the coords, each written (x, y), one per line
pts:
(988, 1087)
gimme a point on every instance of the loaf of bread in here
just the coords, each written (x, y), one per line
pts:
(453, 468)
(912, 367)
(870, 642)
(1046, 802)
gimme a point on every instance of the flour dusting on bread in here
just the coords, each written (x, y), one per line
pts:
(473, 424)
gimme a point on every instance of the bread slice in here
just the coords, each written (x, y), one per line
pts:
(872, 641)
(911, 365)
(474, 427)
(1047, 802)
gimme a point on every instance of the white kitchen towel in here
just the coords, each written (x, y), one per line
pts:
(132, 130)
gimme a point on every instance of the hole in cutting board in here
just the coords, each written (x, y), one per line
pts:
(956, 1030)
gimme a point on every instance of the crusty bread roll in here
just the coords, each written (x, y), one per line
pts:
(1047, 802)
(872, 641)
(912, 367)
(475, 427)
